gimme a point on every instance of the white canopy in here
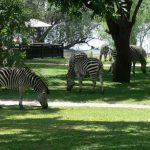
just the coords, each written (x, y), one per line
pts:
(36, 23)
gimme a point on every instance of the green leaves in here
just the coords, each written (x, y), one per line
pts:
(12, 18)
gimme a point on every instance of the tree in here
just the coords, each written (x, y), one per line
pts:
(71, 31)
(103, 35)
(64, 29)
(120, 21)
(144, 29)
(12, 18)
(14, 14)
(142, 25)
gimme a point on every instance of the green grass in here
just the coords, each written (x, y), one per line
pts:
(81, 128)
(148, 59)
(74, 129)
(135, 92)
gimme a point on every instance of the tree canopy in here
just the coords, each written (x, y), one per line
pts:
(120, 16)
(142, 26)
(12, 18)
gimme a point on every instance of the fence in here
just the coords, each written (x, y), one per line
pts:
(40, 50)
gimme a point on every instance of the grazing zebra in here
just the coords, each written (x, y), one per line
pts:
(138, 54)
(80, 66)
(104, 51)
(23, 78)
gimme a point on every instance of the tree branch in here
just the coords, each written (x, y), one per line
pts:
(136, 11)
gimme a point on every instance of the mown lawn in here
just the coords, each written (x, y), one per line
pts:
(137, 91)
(81, 128)
(74, 129)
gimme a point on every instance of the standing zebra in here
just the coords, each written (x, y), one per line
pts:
(80, 66)
(23, 78)
(138, 54)
(104, 51)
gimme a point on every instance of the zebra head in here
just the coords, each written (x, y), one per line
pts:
(42, 98)
(70, 83)
(39, 86)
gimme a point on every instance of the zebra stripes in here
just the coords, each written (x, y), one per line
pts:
(138, 54)
(24, 78)
(80, 66)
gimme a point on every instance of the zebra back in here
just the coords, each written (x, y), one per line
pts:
(35, 81)
(15, 77)
(79, 55)
(91, 66)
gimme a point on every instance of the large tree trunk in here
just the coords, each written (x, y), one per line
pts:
(122, 67)
(121, 35)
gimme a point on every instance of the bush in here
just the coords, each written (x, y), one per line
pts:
(13, 58)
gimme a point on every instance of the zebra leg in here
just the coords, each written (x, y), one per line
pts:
(101, 82)
(94, 85)
(100, 57)
(105, 56)
(133, 68)
(80, 78)
(21, 92)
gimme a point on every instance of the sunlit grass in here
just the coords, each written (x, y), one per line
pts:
(83, 128)
(74, 128)
(137, 91)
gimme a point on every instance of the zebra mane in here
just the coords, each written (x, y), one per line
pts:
(76, 56)
(40, 76)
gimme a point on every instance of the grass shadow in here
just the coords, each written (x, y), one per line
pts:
(52, 132)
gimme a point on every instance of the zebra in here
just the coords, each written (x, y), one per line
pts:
(23, 78)
(80, 66)
(77, 55)
(138, 54)
(104, 51)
